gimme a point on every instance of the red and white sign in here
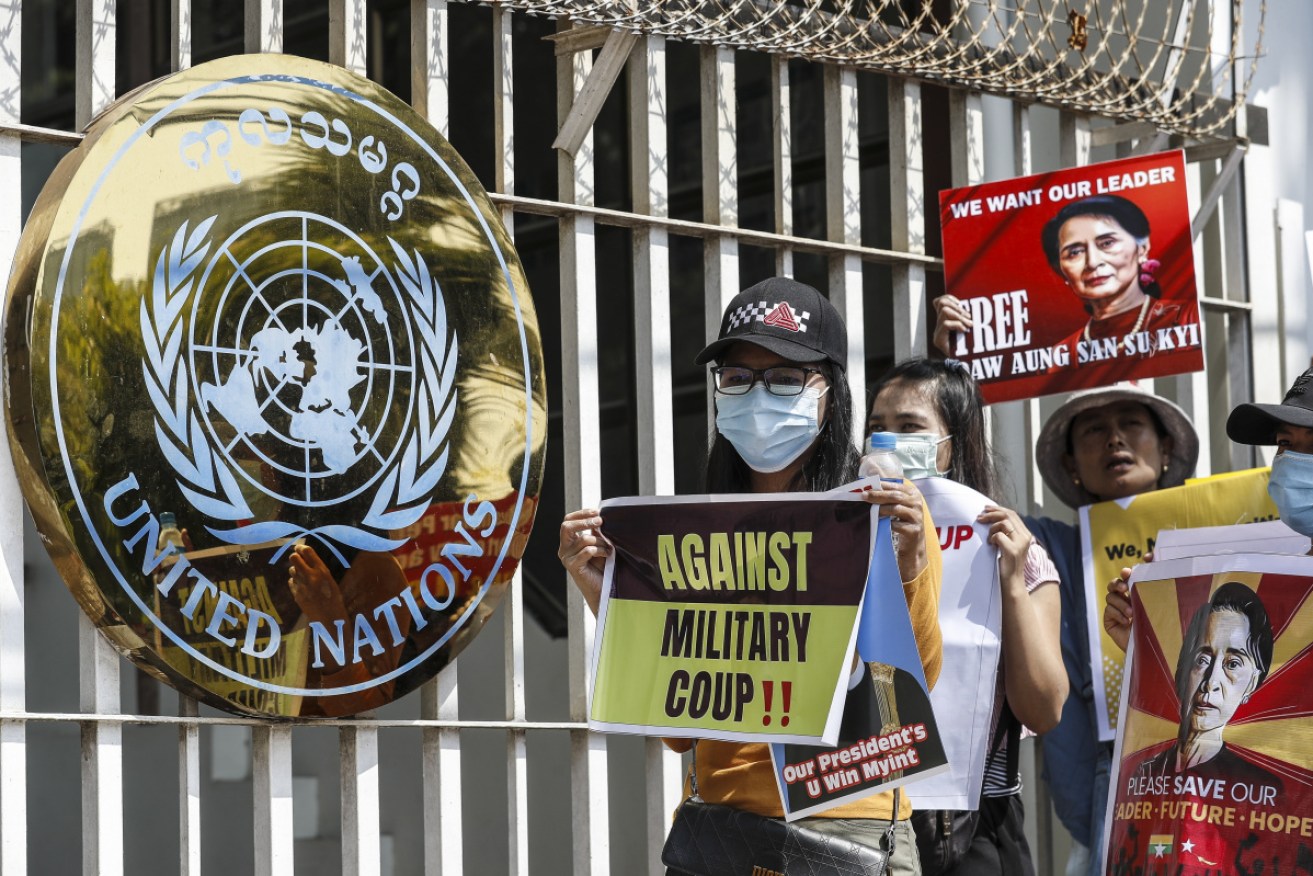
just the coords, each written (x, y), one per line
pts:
(1074, 279)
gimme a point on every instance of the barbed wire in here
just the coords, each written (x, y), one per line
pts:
(1179, 64)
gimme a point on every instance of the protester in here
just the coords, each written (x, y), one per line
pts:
(1100, 445)
(936, 411)
(1288, 426)
(784, 423)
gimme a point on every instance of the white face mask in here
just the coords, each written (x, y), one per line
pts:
(770, 431)
(919, 453)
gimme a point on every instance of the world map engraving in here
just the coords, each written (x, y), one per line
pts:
(325, 363)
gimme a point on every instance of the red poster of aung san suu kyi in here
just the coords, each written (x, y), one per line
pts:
(1213, 771)
(1078, 278)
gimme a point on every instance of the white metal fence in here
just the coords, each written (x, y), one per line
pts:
(987, 137)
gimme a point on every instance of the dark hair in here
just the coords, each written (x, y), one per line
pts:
(960, 407)
(1125, 213)
(1231, 596)
(832, 464)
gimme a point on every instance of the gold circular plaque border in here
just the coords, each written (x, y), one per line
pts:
(23, 387)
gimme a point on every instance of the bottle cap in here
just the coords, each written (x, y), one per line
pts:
(167, 519)
(882, 441)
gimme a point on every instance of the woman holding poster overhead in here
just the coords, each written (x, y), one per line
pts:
(784, 424)
(935, 410)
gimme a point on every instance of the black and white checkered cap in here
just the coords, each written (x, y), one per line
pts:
(786, 317)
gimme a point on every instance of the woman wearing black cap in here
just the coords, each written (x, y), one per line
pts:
(784, 423)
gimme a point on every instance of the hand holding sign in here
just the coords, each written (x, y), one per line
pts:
(583, 552)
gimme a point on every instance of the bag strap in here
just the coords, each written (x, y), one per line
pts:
(889, 842)
(695, 794)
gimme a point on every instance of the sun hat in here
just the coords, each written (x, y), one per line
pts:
(1053, 440)
(786, 317)
(1253, 423)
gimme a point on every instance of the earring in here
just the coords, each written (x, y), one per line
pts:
(1075, 480)
(1166, 465)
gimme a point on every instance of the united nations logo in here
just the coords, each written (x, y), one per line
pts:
(290, 352)
(275, 387)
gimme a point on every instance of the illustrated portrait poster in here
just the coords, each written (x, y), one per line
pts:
(1213, 768)
(1072, 279)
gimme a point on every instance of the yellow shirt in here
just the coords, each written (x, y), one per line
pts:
(740, 774)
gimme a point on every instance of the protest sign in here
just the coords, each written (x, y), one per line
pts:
(1078, 278)
(894, 731)
(730, 617)
(1267, 537)
(1213, 769)
(1119, 533)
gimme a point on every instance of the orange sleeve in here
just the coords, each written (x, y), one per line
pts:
(922, 594)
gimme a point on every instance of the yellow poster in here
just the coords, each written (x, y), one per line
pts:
(1119, 533)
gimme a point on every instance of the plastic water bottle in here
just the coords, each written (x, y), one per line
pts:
(880, 459)
(169, 532)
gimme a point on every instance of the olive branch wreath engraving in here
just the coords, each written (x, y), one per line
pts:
(210, 485)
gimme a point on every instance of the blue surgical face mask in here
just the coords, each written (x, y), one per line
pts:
(919, 453)
(770, 431)
(1291, 488)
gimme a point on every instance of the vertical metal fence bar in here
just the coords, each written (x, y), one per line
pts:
(428, 61)
(1031, 496)
(583, 476)
(179, 34)
(102, 744)
(440, 756)
(781, 109)
(95, 64)
(346, 35)
(361, 854)
(271, 791)
(720, 181)
(264, 25)
(907, 203)
(843, 220)
(649, 172)
(189, 790)
(517, 755)
(1016, 424)
(439, 748)
(517, 752)
(966, 135)
(102, 754)
(1294, 302)
(13, 692)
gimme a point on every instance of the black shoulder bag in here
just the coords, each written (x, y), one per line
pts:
(707, 839)
(943, 836)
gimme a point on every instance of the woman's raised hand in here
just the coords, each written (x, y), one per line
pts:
(1117, 613)
(950, 317)
(583, 552)
(1010, 536)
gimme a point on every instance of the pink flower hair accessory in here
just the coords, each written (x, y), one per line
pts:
(1148, 268)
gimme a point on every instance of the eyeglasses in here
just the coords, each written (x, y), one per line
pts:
(779, 380)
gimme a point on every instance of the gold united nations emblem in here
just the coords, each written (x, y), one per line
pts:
(275, 387)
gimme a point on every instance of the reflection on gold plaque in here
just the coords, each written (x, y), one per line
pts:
(275, 387)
